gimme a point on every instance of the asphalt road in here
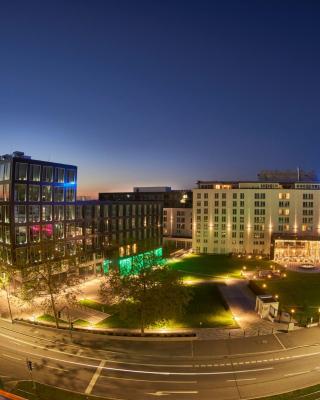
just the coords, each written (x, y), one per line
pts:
(147, 369)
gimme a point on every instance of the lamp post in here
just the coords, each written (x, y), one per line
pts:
(291, 313)
(5, 287)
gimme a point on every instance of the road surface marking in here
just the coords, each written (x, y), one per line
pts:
(279, 341)
(95, 377)
(144, 380)
(239, 380)
(167, 392)
(297, 373)
(14, 358)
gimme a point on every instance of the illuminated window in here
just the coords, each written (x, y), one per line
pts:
(20, 192)
(34, 172)
(46, 193)
(21, 234)
(58, 194)
(71, 175)
(59, 175)
(21, 171)
(34, 193)
(47, 173)
(34, 213)
(20, 214)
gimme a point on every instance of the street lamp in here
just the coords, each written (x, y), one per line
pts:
(292, 312)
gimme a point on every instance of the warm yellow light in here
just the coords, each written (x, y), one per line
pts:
(293, 310)
(264, 285)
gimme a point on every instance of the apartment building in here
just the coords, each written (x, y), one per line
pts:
(280, 219)
(41, 218)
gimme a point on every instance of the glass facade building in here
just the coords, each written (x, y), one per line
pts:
(39, 210)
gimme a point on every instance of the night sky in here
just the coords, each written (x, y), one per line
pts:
(161, 92)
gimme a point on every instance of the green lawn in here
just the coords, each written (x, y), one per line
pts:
(297, 290)
(50, 318)
(206, 309)
(199, 267)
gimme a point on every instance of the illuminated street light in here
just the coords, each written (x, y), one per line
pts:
(264, 285)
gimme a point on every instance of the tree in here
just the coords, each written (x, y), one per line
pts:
(149, 294)
(51, 280)
(5, 281)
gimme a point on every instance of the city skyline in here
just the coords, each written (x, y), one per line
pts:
(139, 95)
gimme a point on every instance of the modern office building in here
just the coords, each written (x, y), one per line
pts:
(274, 217)
(177, 211)
(41, 218)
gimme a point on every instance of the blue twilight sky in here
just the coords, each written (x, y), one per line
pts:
(161, 92)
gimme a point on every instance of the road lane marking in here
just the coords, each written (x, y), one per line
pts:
(240, 380)
(14, 358)
(144, 380)
(279, 341)
(95, 377)
(167, 392)
(297, 373)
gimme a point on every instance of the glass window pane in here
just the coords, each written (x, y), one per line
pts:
(34, 172)
(58, 213)
(70, 194)
(34, 193)
(58, 194)
(47, 173)
(34, 233)
(47, 193)
(34, 213)
(7, 170)
(46, 213)
(70, 212)
(21, 234)
(47, 231)
(20, 192)
(20, 214)
(59, 231)
(59, 175)
(71, 175)
(1, 171)
(21, 171)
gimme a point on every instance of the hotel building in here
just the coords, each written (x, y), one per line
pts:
(276, 216)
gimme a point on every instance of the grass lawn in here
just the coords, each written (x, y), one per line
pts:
(300, 291)
(206, 309)
(198, 267)
(50, 318)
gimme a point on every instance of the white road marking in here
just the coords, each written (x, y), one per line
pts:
(239, 380)
(166, 392)
(297, 373)
(14, 358)
(95, 377)
(279, 341)
(144, 380)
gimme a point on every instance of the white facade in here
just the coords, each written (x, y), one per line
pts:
(177, 222)
(241, 217)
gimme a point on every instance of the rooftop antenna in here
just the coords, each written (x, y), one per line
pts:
(298, 173)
